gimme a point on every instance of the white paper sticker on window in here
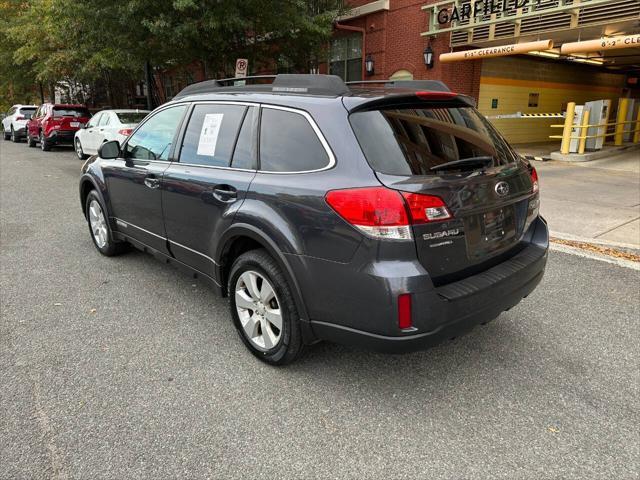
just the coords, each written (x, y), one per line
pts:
(209, 134)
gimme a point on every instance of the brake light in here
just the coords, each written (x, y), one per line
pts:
(125, 131)
(534, 179)
(20, 117)
(426, 208)
(427, 95)
(380, 212)
(377, 211)
(404, 311)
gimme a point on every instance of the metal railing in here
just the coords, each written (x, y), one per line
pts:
(621, 128)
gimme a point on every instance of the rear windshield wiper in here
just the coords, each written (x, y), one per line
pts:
(484, 161)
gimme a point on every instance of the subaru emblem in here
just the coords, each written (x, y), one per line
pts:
(502, 189)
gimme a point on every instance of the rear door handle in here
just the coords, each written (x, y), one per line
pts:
(152, 182)
(225, 193)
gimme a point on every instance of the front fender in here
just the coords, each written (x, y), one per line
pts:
(91, 180)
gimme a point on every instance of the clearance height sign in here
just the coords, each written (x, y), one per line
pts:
(499, 51)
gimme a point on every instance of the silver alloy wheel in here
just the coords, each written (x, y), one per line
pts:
(98, 224)
(259, 310)
(79, 151)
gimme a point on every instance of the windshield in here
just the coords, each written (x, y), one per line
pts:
(70, 112)
(412, 141)
(131, 117)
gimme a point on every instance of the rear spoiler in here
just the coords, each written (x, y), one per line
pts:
(405, 99)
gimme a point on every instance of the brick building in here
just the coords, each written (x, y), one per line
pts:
(391, 34)
(394, 34)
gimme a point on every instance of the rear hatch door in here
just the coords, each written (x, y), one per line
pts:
(70, 118)
(453, 153)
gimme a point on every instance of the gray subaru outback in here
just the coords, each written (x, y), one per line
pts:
(390, 215)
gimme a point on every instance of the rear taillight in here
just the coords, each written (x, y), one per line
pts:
(380, 212)
(20, 117)
(426, 208)
(404, 311)
(534, 180)
(377, 211)
(125, 131)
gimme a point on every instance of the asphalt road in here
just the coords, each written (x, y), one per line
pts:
(126, 368)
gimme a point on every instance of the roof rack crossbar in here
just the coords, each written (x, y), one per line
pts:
(330, 85)
(251, 77)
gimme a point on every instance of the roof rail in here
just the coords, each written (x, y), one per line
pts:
(431, 85)
(330, 85)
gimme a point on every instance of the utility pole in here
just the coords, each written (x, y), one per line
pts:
(149, 79)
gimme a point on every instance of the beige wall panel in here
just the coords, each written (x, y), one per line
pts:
(512, 81)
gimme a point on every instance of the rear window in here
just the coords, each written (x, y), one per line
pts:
(24, 110)
(131, 117)
(70, 112)
(288, 143)
(411, 141)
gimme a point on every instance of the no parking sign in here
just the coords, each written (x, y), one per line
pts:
(241, 67)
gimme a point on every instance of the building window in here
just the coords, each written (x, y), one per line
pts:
(533, 99)
(346, 57)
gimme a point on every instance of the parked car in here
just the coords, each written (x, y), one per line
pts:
(393, 218)
(105, 126)
(55, 124)
(14, 124)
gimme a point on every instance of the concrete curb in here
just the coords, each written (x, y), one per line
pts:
(594, 241)
(588, 156)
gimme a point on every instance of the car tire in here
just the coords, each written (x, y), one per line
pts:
(99, 228)
(258, 328)
(14, 137)
(5, 134)
(79, 151)
(30, 141)
(45, 146)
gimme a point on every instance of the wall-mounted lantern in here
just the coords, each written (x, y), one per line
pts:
(369, 65)
(428, 56)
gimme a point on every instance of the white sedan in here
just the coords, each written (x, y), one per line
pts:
(105, 126)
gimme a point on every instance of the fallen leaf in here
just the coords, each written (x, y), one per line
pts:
(93, 310)
(57, 304)
(553, 429)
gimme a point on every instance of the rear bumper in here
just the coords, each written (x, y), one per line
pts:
(61, 137)
(20, 132)
(449, 311)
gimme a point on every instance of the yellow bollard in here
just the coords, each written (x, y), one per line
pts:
(583, 130)
(623, 106)
(568, 126)
(636, 136)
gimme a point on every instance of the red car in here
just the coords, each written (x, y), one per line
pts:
(56, 124)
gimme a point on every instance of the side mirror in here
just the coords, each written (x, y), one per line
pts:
(109, 150)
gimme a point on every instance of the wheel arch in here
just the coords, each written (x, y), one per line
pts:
(88, 183)
(241, 238)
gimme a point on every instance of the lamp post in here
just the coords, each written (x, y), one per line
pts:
(369, 65)
(428, 56)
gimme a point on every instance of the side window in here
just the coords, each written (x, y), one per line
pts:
(152, 141)
(211, 134)
(94, 120)
(288, 143)
(104, 119)
(244, 154)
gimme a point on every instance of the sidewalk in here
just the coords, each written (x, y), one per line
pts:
(597, 201)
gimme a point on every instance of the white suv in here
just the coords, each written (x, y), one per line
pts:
(14, 125)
